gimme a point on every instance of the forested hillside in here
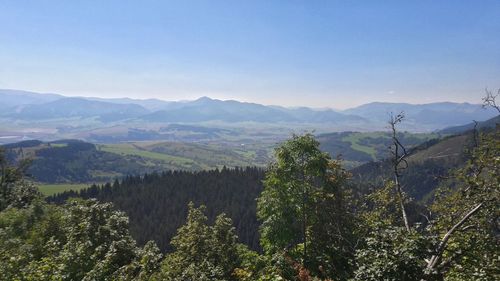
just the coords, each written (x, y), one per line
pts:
(357, 148)
(429, 165)
(157, 203)
(74, 161)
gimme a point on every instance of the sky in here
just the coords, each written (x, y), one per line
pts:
(334, 54)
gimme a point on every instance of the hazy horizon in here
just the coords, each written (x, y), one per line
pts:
(323, 55)
(243, 101)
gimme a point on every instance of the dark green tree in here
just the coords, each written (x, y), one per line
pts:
(202, 252)
(387, 250)
(14, 190)
(303, 209)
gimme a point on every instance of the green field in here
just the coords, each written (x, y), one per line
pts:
(131, 149)
(374, 150)
(355, 138)
(190, 156)
(51, 189)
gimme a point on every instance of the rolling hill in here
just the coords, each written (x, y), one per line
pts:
(356, 148)
(73, 161)
(429, 164)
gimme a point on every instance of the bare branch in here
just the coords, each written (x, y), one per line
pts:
(444, 241)
(426, 218)
(490, 100)
(467, 227)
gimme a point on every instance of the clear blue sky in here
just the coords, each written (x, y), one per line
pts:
(314, 53)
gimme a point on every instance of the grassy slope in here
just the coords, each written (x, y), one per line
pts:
(372, 144)
(51, 189)
(190, 156)
(355, 138)
(132, 149)
(448, 148)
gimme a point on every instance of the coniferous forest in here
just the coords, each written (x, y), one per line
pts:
(157, 204)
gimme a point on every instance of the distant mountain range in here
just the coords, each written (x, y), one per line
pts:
(26, 106)
(29, 105)
(440, 115)
(207, 109)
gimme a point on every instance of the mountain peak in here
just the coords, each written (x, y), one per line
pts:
(204, 99)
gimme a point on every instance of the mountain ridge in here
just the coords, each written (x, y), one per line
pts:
(95, 113)
(126, 100)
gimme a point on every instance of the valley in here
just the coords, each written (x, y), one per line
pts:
(79, 162)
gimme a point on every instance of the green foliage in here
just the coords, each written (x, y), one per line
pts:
(284, 203)
(392, 254)
(458, 240)
(387, 250)
(381, 208)
(83, 240)
(14, 191)
(98, 242)
(303, 211)
(202, 252)
(252, 264)
(472, 251)
(144, 266)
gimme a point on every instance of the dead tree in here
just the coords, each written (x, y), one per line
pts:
(399, 164)
(490, 100)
